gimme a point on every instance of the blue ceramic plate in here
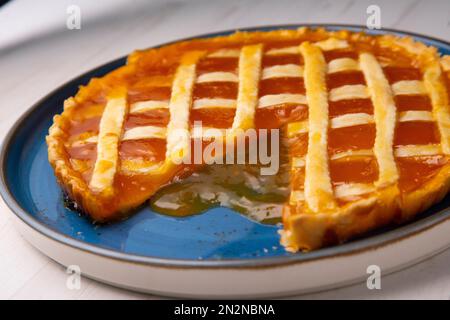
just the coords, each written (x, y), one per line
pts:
(219, 237)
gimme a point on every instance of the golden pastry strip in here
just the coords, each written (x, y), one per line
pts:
(440, 101)
(418, 150)
(318, 192)
(249, 74)
(145, 106)
(108, 144)
(283, 71)
(178, 139)
(385, 118)
(342, 64)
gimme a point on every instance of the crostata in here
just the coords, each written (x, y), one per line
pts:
(364, 120)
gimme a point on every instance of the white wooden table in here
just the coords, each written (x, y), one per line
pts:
(33, 67)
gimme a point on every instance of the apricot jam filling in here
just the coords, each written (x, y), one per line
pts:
(85, 152)
(353, 170)
(298, 145)
(281, 85)
(153, 150)
(85, 125)
(82, 159)
(412, 102)
(225, 90)
(337, 54)
(213, 117)
(132, 186)
(339, 79)
(351, 138)
(284, 43)
(149, 93)
(90, 110)
(280, 115)
(416, 132)
(297, 178)
(338, 108)
(415, 171)
(217, 64)
(157, 117)
(395, 74)
(269, 61)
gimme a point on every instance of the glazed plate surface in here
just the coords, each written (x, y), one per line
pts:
(218, 239)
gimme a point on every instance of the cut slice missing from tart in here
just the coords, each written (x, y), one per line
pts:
(364, 120)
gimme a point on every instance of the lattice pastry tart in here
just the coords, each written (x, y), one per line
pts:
(366, 119)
